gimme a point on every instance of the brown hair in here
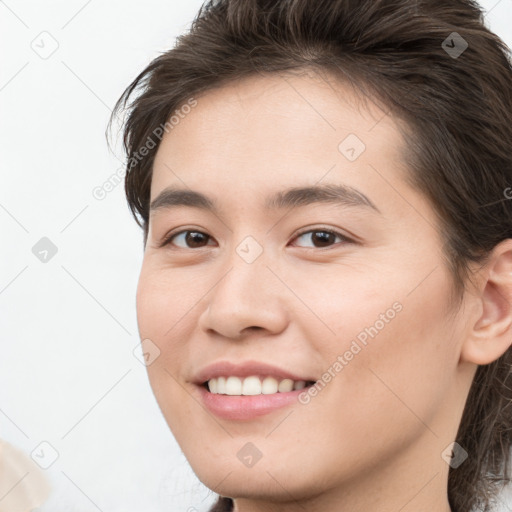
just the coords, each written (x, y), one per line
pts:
(456, 101)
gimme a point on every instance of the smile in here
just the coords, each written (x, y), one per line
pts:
(253, 385)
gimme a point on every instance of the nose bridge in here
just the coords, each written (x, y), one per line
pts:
(245, 295)
(247, 270)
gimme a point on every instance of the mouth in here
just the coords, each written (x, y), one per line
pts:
(235, 400)
(253, 385)
(245, 390)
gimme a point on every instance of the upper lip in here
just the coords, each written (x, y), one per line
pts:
(245, 369)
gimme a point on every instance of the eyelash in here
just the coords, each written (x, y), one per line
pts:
(345, 239)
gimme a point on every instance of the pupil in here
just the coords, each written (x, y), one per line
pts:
(193, 237)
(324, 238)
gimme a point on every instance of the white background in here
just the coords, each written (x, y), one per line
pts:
(68, 327)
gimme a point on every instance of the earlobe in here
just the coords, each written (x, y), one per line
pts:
(491, 335)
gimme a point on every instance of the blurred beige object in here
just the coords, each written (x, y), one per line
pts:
(23, 486)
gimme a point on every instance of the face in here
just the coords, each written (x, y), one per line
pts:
(348, 290)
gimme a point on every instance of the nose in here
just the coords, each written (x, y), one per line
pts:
(244, 298)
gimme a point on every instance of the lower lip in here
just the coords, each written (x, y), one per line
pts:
(246, 407)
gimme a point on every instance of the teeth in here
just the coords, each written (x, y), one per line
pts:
(221, 386)
(213, 385)
(269, 386)
(285, 385)
(233, 386)
(252, 385)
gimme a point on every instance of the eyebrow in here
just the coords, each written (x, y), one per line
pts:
(337, 194)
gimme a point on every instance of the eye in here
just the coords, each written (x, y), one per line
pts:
(323, 237)
(194, 238)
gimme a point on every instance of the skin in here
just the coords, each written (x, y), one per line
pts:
(372, 438)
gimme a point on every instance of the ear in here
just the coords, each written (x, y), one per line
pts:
(491, 334)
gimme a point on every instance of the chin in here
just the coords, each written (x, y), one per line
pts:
(271, 478)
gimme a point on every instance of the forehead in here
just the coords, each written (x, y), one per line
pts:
(277, 129)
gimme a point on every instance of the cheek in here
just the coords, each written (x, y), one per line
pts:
(382, 326)
(148, 302)
(158, 314)
(394, 374)
(162, 302)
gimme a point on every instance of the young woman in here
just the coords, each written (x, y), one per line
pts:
(325, 189)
